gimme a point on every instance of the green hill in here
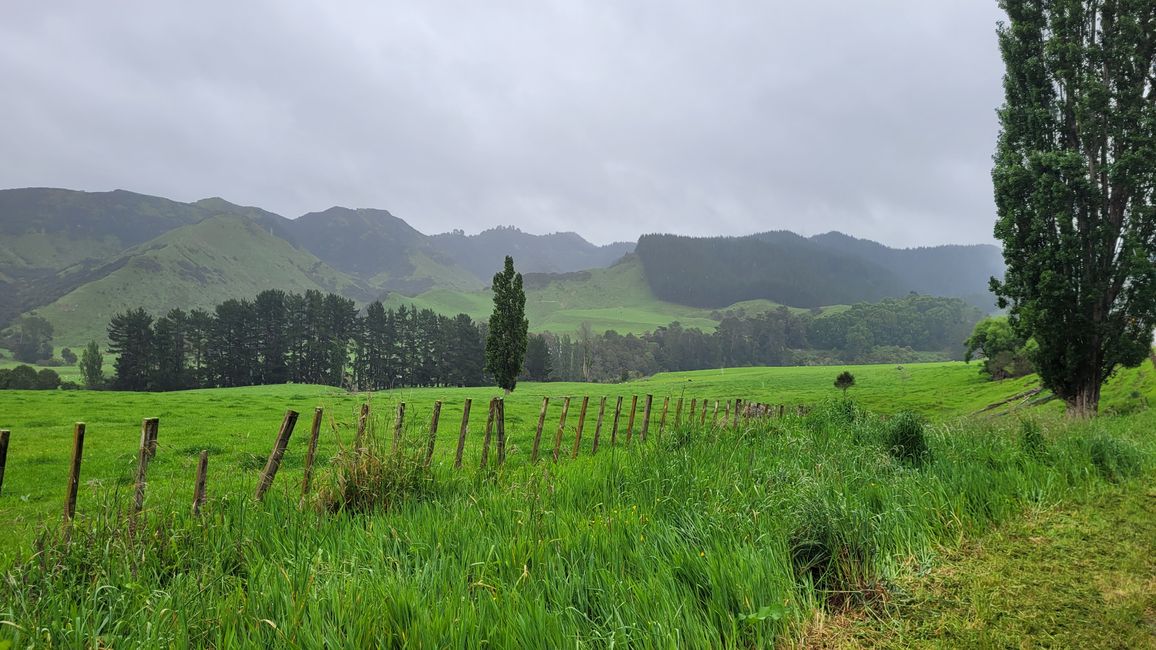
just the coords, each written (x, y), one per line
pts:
(615, 298)
(195, 266)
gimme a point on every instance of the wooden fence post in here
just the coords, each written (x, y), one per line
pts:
(153, 425)
(662, 420)
(630, 421)
(275, 456)
(73, 477)
(489, 431)
(199, 486)
(362, 421)
(702, 420)
(581, 424)
(4, 434)
(538, 433)
(614, 429)
(782, 411)
(738, 406)
(310, 453)
(433, 432)
(646, 417)
(142, 466)
(561, 428)
(678, 413)
(501, 431)
(714, 416)
(598, 425)
(398, 428)
(462, 433)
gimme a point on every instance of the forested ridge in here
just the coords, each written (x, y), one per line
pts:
(829, 269)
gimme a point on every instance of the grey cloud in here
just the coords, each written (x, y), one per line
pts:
(608, 118)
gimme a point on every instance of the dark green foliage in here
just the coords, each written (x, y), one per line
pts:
(47, 379)
(31, 339)
(92, 366)
(506, 342)
(281, 337)
(844, 381)
(1005, 354)
(22, 378)
(130, 338)
(906, 438)
(538, 365)
(68, 356)
(1116, 460)
(917, 322)
(1074, 176)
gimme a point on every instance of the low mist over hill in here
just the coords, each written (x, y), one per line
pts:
(78, 257)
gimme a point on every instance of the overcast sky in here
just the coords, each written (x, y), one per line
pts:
(609, 118)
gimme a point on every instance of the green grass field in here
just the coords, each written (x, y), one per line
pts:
(699, 537)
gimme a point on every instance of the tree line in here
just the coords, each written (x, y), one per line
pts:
(281, 337)
(899, 330)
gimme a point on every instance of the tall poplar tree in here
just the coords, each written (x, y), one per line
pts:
(1074, 176)
(506, 341)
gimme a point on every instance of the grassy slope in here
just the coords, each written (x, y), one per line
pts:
(239, 424)
(195, 266)
(680, 541)
(616, 298)
(1077, 575)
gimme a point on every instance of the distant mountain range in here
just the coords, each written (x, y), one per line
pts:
(79, 257)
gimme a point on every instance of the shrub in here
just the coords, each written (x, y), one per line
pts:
(22, 378)
(374, 480)
(833, 548)
(1114, 459)
(47, 379)
(906, 438)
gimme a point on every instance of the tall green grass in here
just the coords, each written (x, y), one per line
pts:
(695, 538)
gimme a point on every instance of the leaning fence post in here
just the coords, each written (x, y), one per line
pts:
(501, 417)
(4, 434)
(614, 429)
(678, 413)
(142, 465)
(598, 425)
(199, 486)
(398, 427)
(630, 421)
(73, 477)
(275, 456)
(489, 430)
(462, 433)
(538, 433)
(581, 424)
(646, 417)
(433, 432)
(561, 428)
(310, 453)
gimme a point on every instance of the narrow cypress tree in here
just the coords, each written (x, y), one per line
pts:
(1075, 174)
(506, 342)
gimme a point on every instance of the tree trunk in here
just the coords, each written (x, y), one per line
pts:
(1085, 402)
